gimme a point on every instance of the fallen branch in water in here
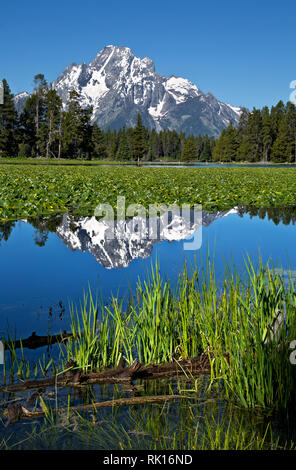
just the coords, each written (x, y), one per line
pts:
(17, 412)
(35, 341)
(75, 376)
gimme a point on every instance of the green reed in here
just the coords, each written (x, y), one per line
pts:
(250, 357)
(232, 322)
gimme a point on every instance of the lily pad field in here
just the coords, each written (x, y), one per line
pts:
(37, 190)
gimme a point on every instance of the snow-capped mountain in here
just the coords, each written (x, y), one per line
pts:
(116, 245)
(119, 85)
(20, 100)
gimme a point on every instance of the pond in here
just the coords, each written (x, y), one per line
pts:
(47, 263)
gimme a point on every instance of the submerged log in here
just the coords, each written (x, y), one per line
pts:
(17, 412)
(74, 376)
(35, 341)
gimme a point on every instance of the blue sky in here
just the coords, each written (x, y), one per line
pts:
(242, 52)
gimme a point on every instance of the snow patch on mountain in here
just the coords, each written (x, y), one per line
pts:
(181, 89)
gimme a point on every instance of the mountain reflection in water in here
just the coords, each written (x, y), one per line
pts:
(134, 238)
(116, 244)
(50, 261)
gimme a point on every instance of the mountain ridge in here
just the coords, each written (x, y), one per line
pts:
(119, 86)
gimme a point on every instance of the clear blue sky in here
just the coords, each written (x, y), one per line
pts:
(242, 52)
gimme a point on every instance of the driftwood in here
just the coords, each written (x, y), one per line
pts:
(34, 341)
(74, 376)
(17, 412)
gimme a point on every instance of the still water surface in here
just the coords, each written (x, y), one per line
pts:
(45, 264)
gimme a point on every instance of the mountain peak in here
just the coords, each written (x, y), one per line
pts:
(118, 85)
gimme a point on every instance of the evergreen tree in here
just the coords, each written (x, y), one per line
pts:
(76, 129)
(283, 147)
(189, 151)
(8, 124)
(206, 153)
(111, 143)
(251, 147)
(40, 91)
(154, 147)
(231, 144)
(86, 133)
(139, 140)
(266, 134)
(219, 150)
(276, 114)
(123, 151)
(199, 146)
(291, 121)
(48, 137)
(28, 126)
(98, 141)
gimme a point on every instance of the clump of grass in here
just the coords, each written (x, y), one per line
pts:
(154, 326)
(85, 345)
(250, 354)
(234, 323)
(245, 325)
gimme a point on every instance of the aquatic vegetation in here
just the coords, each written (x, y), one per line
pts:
(184, 425)
(234, 323)
(245, 326)
(35, 190)
(157, 325)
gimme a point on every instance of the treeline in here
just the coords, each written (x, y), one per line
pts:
(46, 129)
(262, 135)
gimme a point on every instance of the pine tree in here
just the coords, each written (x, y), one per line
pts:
(242, 131)
(251, 146)
(40, 91)
(266, 133)
(219, 150)
(8, 124)
(231, 144)
(291, 121)
(139, 140)
(283, 147)
(111, 143)
(123, 150)
(154, 147)
(199, 146)
(76, 129)
(189, 151)
(85, 129)
(48, 137)
(206, 153)
(276, 114)
(98, 141)
(28, 125)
